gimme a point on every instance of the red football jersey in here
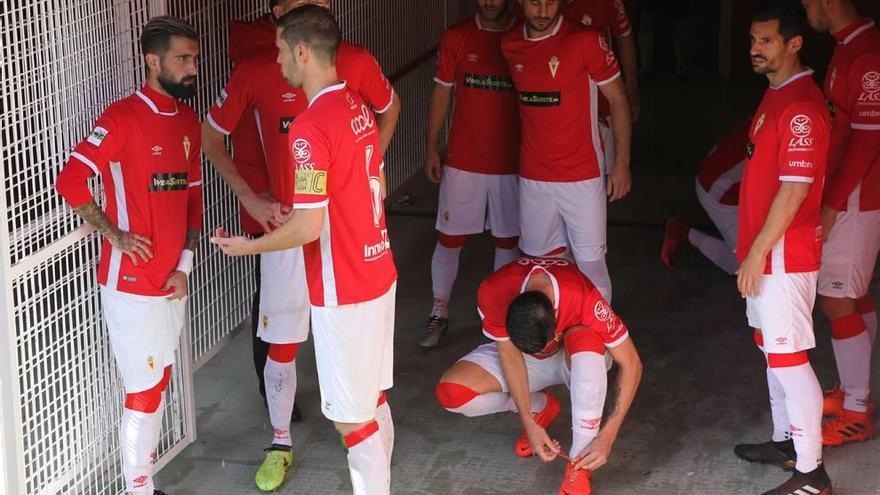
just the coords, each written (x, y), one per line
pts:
(147, 149)
(577, 302)
(470, 59)
(789, 141)
(248, 40)
(606, 16)
(853, 88)
(258, 84)
(334, 150)
(721, 171)
(557, 77)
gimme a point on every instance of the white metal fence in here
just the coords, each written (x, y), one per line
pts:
(61, 63)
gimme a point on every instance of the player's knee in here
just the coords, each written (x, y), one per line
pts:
(787, 360)
(847, 327)
(865, 305)
(581, 339)
(148, 401)
(835, 307)
(283, 353)
(451, 241)
(505, 242)
(453, 395)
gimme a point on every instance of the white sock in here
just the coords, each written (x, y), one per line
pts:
(778, 410)
(157, 430)
(870, 319)
(444, 269)
(803, 399)
(138, 435)
(386, 427)
(504, 257)
(597, 272)
(496, 402)
(853, 356)
(589, 384)
(368, 464)
(715, 250)
(280, 381)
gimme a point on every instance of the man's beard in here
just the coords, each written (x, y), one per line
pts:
(179, 90)
(499, 13)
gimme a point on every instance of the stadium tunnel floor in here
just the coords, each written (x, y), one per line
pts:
(704, 387)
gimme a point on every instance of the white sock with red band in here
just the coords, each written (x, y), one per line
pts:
(368, 465)
(444, 270)
(803, 399)
(852, 351)
(589, 384)
(715, 250)
(280, 379)
(866, 308)
(461, 399)
(778, 410)
(386, 424)
(139, 435)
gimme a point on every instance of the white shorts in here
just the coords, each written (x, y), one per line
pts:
(784, 312)
(354, 353)
(542, 373)
(607, 134)
(850, 253)
(284, 298)
(471, 203)
(559, 214)
(725, 217)
(144, 334)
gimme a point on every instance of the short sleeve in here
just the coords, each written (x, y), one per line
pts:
(864, 89)
(803, 137)
(375, 88)
(598, 316)
(492, 315)
(310, 155)
(104, 143)
(600, 61)
(232, 102)
(620, 25)
(446, 60)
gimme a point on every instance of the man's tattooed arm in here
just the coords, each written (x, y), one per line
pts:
(192, 239)
(133, 245)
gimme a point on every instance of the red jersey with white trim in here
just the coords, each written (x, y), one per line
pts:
(147, 149)
(248, 40)
(557, 77)
(789, 141)
(258, 84)
(577, 302)
(334, 150)
(853, 89)
(721, 171)
(470, 59)
(606, 16)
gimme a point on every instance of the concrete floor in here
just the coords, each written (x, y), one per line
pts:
(703, 391)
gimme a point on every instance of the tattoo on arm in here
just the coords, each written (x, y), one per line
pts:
(615, 401)
(92, 213)
(192, 239)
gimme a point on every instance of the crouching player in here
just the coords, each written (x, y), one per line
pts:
(550, 326)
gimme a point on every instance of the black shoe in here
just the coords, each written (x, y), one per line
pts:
(297, 414)
(776, 453)
(434, 330)
(159, 492)
(816, 482)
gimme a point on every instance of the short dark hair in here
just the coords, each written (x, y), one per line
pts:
(274, 3)
(530, 317)
(156, 36)
(790, 13)
(314, 26)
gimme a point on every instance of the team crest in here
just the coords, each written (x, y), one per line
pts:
(187, 146)
(759, 123)
(586, 20)
(151, 363)
(554, 65)
(265, 321)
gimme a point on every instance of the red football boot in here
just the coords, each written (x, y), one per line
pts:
(544, 418)
(575, 481)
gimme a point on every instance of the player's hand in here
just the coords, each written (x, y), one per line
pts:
(232, 246)
(829, 218)
(542, 445)
(281, 217)
(619, 182)
(595, 455)
(748, 277)
(134, 245)
(177, 280)
(262, 209)
(433, 166)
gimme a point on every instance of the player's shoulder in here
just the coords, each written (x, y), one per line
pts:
(187, 112)
(514, 34)
(461, 28)
(352, 52)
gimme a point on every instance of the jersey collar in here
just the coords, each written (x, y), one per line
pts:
(504, 30)
(552, 281)
(849, 33)
(158, 103)
(328, 89)
(804, 73)
(546, 36)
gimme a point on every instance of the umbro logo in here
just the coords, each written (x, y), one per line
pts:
(289, 97)
(157, 150)
(473, 57)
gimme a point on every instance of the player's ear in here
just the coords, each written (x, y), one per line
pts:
(153, 62)
(795, 44)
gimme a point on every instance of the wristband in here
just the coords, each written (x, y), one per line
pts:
(185, 264)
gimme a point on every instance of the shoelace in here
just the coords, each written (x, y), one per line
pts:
(433, 326)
